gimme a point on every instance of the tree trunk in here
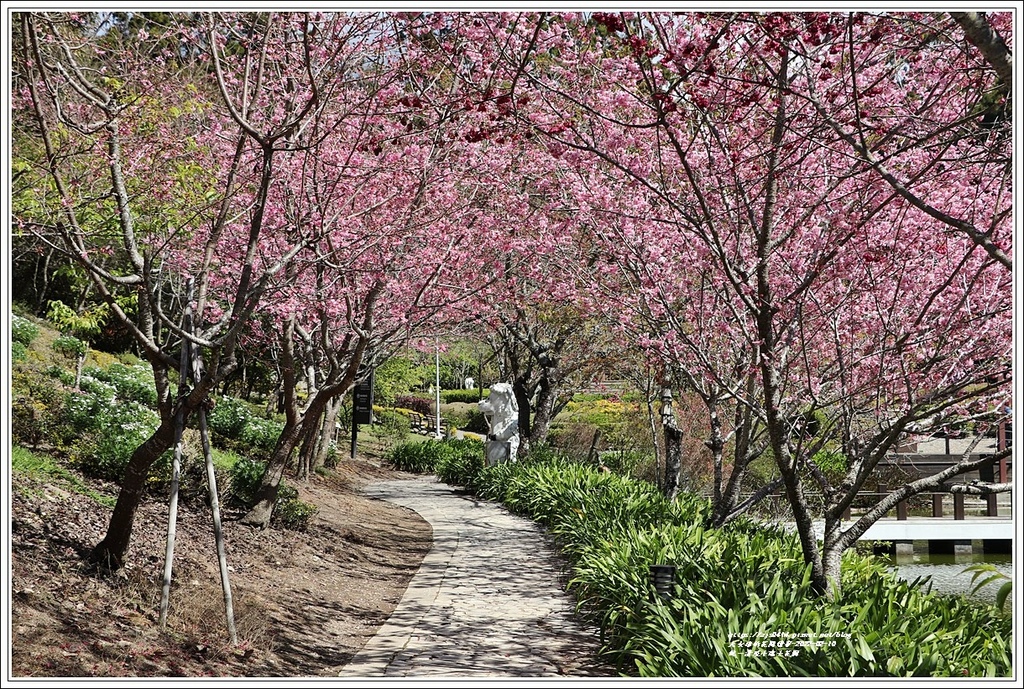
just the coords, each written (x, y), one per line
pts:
(805, 526)
(293, 432)
(716, 443)
(673, 445)
(728, 506)
(243, 385)
(327, 433)
(544, 412)
(771, 354)
(594, 454)
(990, 44)
(79, 367)
(43, 292)
(673, 460)
(831, 560)
(109, 553)
(259, 514)
(725, 508)
(522, 393)
(652, 422)
(306, 450)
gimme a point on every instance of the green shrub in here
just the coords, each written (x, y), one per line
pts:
(23, 330)
(289, 511)
(18, 351)
(89, 409)
(331, 460)
(223, 460)
(240, 428)
(476, 422)
(456, 461)
(391, 427)
(451, 396)
(108, 429)
(70, 346)
(603, 413)
(97, 429)
(627, 462)
(294, 514)
(38, 412)
(542, 453)
(415, 457)
(105, 452)
(465, 416)
(261, 435)
(245, 476)
(60, 373)
(286, 492)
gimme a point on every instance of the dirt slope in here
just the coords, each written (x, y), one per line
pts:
(304, 602)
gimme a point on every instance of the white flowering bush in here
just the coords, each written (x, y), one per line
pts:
(229, 417)
(23, 330)
(133, 382)
(109, 428)
(261, 435)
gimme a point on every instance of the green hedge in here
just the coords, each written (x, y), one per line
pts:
(452, 396)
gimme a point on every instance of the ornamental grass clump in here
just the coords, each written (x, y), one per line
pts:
(460, 463)
(454, 460)
(741, 602)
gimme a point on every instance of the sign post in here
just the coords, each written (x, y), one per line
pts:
(362, 407)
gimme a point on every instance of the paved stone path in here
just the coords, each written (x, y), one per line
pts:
(487, 601)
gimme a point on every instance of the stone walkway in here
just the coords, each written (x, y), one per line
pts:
(487, 601)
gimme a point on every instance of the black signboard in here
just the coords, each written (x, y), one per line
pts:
(362, 410)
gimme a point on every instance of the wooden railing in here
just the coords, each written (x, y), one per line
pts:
(937, 500)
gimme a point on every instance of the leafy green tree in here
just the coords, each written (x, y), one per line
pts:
(81, 327)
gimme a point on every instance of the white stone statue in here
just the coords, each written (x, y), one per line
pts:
(469, 383)
(502, 414)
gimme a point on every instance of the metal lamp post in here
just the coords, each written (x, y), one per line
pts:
(437, 391)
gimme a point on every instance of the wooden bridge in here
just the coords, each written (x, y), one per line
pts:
(931, 529)
(986, 519)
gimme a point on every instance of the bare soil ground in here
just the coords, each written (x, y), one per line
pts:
(304, 601)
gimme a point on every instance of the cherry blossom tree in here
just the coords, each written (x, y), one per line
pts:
(523, 233)
(397, 225)
(928, 110)
(847, 298)
(548, 343)
(688, 324)
(168, 166)
(803, 218)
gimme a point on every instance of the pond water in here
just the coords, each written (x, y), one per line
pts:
(947, 572)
